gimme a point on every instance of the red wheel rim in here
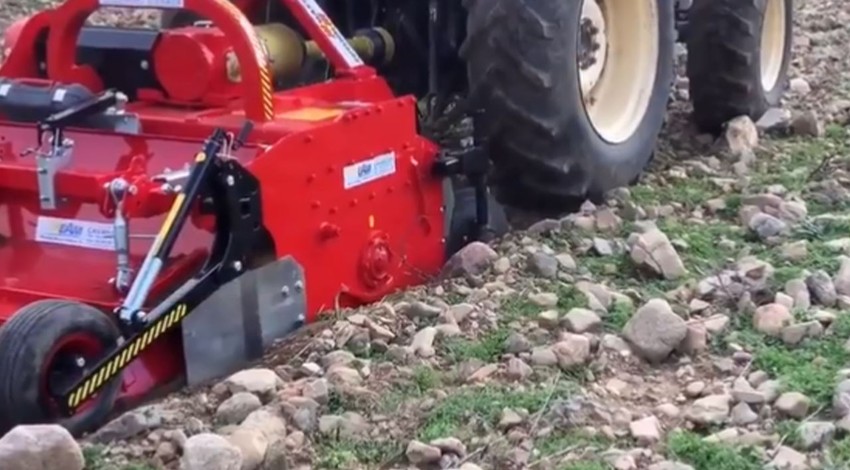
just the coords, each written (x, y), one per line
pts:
(65, 363)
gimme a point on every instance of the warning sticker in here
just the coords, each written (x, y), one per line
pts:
(312, 114)
(330, 30)
(143, 3)
(370, 170)
(79, 233)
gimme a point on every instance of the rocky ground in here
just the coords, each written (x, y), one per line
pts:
(697, 320)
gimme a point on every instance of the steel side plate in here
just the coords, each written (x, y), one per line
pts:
(242, 319)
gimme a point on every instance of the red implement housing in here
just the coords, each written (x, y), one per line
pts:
(346, 181)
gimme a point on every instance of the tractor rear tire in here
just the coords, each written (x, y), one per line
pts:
(47, 338)
(738, 57)
(550, 150)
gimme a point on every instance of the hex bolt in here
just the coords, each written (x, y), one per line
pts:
(230, 180)
(299, 286)
(81, 362)
(145, 65)
(284, 291)
(237, 265)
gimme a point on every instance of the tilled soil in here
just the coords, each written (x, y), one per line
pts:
(697, 320)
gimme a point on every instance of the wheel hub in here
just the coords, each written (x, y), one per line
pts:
(66, 364)
(593, 45)
(64, 371)
(618, 45)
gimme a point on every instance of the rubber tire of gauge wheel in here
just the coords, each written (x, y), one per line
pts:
(724, 61)
(547, 156)
(26, 341)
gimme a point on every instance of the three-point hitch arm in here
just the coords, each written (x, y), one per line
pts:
(235, 200)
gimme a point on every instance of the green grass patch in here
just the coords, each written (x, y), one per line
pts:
(692, 449)
(704, 254)
(339, 454)
(799, 157)
(691, 193)
(789, 430)
(838, 455)
(621, 272)
(517, 307)
(95, 459)
(423, 380)
(569, 297)
(465, 408)
(810, 368)
(586, 465)
(617, 317)
(487, 347)
(426, 378)
(556, 442)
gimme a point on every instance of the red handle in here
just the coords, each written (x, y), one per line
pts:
(69, 18)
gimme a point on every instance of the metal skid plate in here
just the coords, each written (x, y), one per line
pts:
(242, 318)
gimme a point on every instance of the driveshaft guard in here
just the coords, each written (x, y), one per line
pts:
(238, 322)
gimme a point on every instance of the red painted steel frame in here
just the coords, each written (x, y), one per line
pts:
(356, 244)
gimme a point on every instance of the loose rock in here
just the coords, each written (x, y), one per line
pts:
(40, 447)
(471, 260)
(261, 382)
(419, 453)
(770, 319)
(815, 434)
(236, 408)
(654, 250)
(654, 331)
(710, 410)
(793, 404)
(210, 452)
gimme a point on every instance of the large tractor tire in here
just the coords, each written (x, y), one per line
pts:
(44, 348)
(738, 57)
(574, 93)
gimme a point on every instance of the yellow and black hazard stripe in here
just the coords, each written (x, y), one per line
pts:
(267, 91)
(122, 357)
(263, 60)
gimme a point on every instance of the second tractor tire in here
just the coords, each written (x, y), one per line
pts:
(522, 58)
(734, 68)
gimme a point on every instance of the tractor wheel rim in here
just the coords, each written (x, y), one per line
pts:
(65, 363)
(618, 53)
(773, 40)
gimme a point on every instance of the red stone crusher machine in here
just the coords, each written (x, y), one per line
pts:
(164, 222)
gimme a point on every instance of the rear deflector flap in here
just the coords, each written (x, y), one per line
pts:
(242, 318)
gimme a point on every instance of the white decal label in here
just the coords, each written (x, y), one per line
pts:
(79, 233)
(330, 30)
(369, 170)
(143, 3)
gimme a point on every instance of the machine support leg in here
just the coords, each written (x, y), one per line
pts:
(482, 208)
(473, 164)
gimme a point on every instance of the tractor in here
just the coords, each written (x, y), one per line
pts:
(176, 199)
